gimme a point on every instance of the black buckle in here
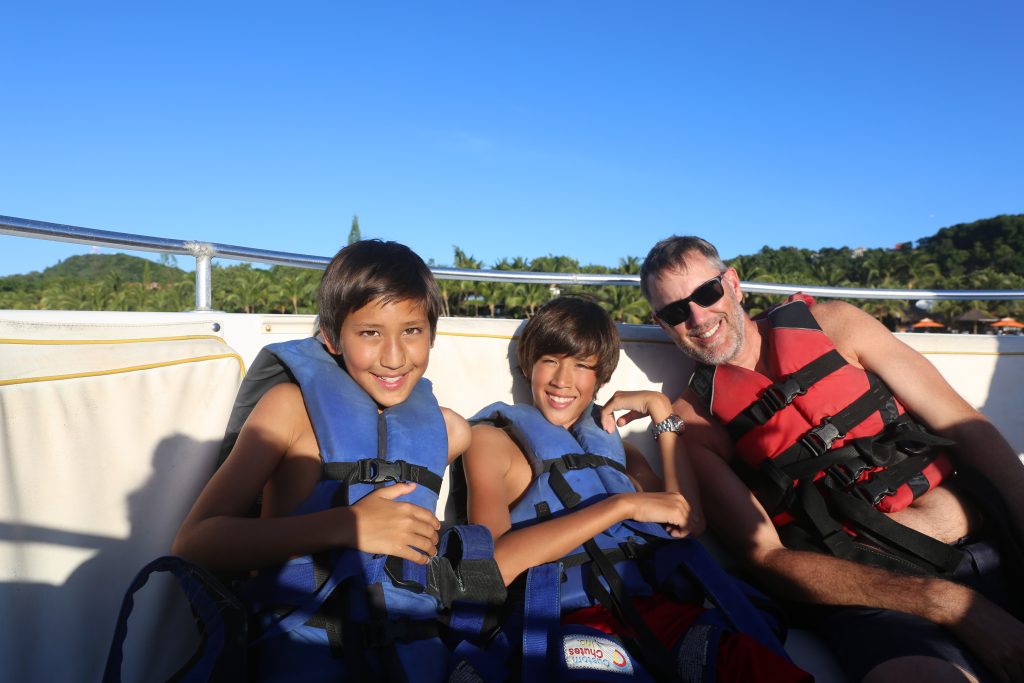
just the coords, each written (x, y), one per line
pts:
(574, 461)
(779, 395)
(378, 471)
(820, 439)
(873, 491)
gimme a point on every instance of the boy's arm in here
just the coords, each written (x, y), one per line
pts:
(218, 534)
(497, 473)
(459, 433)
(644, 478)
(676, 467)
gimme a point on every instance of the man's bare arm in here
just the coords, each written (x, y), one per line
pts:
(739, 521)
(929, 397)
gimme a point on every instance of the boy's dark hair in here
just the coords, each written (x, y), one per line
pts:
(373, 269)
(571, 326)
(670, 252)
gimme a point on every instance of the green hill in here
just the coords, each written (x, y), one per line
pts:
(97, 266)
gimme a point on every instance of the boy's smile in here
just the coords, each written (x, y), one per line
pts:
(563, 386)
(386, 348)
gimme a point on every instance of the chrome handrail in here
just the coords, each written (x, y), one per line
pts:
(204, 252)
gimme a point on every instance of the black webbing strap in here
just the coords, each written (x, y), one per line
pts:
(777, 396)
(379, 471)
(819, 439)
(581, 461)
(886, 482)
(941, 557)
(828, 532)
(557, 467)
(374, 634)
(615, 599)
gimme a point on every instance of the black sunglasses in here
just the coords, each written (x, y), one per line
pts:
(679, 311)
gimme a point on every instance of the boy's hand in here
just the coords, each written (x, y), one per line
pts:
(639, 404)
(386, 526)
(670, 509)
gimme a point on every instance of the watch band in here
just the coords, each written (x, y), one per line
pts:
(672, 423)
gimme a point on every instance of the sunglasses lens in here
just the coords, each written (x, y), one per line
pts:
(678, 312)
(708, 293)
(675, 313)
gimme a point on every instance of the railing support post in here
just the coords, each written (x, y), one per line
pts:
(203, 254)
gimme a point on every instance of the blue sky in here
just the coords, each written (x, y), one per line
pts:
(591, 129)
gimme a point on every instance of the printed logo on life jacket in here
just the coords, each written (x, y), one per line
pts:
(599, 654)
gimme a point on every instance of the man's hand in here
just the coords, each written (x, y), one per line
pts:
(380, 524)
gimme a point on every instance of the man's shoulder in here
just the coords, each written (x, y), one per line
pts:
(829, 311)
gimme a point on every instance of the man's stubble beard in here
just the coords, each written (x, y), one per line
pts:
(719, 356)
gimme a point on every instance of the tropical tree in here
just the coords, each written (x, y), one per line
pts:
(353, 234)
(292, 290)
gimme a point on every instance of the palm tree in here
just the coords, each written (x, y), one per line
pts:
(291, 289)
(246, 288)
(625, 305)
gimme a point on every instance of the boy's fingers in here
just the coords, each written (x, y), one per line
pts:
(426, 517)
(416, 548)
(629, 417)
(395, 490)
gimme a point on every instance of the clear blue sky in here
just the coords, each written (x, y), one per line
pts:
(591, 129)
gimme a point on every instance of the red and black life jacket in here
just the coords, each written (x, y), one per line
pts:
(836, 425)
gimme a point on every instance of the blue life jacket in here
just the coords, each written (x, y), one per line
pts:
(376, 601)
(577, 467)
(344, 614)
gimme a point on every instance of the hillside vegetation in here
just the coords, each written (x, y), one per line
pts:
(985, 254)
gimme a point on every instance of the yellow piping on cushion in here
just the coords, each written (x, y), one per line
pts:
(133, 368)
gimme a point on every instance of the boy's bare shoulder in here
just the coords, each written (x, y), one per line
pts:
(281, 410)
(459, 433)
(493, 445)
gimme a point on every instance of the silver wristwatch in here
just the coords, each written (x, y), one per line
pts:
(672, 423)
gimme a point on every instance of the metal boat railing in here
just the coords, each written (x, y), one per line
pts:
(204, 252)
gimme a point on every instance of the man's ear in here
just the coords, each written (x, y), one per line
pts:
(733, 279)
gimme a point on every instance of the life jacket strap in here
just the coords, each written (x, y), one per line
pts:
(777, 396)
(380, 471)
(616, 600)
(373, 634)
(819, 439)
(580, 461)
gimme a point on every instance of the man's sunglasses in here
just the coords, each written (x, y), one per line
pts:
(679, 311)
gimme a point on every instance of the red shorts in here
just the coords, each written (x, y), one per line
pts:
(740, 657)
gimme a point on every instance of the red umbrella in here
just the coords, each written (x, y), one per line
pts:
(926, 322)
(1007, 322)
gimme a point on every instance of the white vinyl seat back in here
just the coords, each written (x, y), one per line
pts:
(107, 435)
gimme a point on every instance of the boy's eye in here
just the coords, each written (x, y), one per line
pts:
(369, 333)
(414, 330)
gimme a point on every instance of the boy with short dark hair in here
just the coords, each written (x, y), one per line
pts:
(550, 482)
(347, 456)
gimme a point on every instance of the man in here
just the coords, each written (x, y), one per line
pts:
(882, 494)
